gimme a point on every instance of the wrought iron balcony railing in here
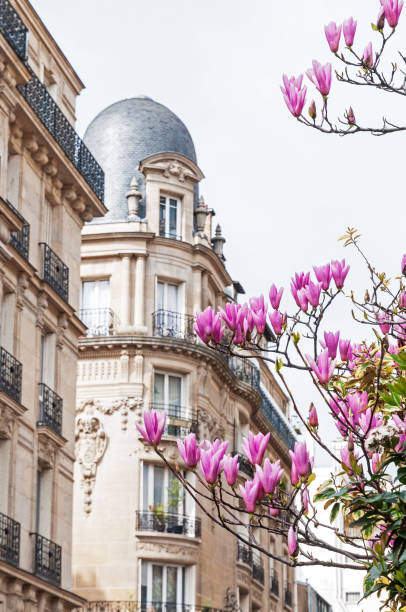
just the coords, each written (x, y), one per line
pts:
(13, 29)
(258, 572)
(276, 421)
(50, 409)
(9, 540)
(10, 375)
(274, 585)
(99, 321)
(54, 272)
(171, 324)
(169, 522)
(288, 596)
(20, 241)
(143, 606)
(47, 559)
(180, 420)
(244, 370)
(244, 553)
(245, 465)
(49, 113)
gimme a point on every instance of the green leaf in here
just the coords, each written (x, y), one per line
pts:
(334, 511)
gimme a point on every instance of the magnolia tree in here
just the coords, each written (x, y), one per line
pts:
(360, 382)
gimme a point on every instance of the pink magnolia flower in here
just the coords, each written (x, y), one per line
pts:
(275, 296)
(349, 28)
(369, 420)
(357, 403)
(258, 304)
(230, 315)
(254, 447)
(313, 291)
(273, 511)
(402, 300)
(333, 35)
(208, 326)
(301, 459)
(293, 547)
(260, 320)
(344, 346)
(189, 450)
(399, 423)
(269, 475)
(305, 501)
(277, 320)
(339, 271)
(300, 280)
(249, 493)
(375, 461)
(313, 418)
(400, 446)
(294, 94)
(345, 456)
(384, 322)
(368, 56)
(294, 476)
(331, 343)
(403, 264)
(230, 467)
(392, 9)
(154, 425)
(323, 275)
(217, 445)
(324, 368)
(302, 299)
(211, 464)
(320, 76)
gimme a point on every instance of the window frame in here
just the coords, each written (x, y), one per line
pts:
(167, 204)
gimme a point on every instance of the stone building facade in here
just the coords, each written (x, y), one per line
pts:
(50, 185)
(153, 261)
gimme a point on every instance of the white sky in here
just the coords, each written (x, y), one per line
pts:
(283, 193)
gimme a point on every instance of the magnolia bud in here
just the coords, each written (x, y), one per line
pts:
(313, 418)
(381, 21)
(312, 110)
(350, 444)
(350, 116)
(367, 297)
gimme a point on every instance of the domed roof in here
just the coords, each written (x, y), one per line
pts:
(125, 133)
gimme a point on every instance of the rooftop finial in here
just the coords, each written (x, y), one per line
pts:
(218, 242)
(133, 200)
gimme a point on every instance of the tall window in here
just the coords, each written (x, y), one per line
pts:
(95, 312)
(47, 365)
(162, 587)
(44, 502)
(169, 217)
(168, 322)
(168, 395)
(161, 490)
(7, 321)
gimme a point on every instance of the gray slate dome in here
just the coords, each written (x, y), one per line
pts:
(125, 133)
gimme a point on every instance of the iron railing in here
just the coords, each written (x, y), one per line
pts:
(171, 324)
(10, 375)
(13, 29)
(274, 585)
(180, 420)
(278, 424)
(244, 370)
(163, 234)
(47, 559)
(169, 522)
(244, 553)
(20, 241)
(99, 321)
(288, 596)
(50, 408)
(258, 572)
(245, 465)
(49, 113)
(54, 272)
(143, 606)
(9, 540)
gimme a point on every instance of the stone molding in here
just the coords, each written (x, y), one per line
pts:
(172, 166)
(164, 550)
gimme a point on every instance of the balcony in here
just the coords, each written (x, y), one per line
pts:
(245, 465)
(54, 272)
(20, 241)
(50, 409)
(288, 597)
(10, 375)
(47, 559)
(13, 29)
(258, 572)
(168, 324)
(244, 553)
(274, 585)
(277, 421)
(9, 540)
(169, 522)
(244, 370)
(180, 420)
(49, 113)
(99, 321)
(142, 606)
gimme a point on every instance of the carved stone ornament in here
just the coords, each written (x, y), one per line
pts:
(167, 550)
(124, 405)
(231, 601)
(61, 329)
(42, 305)
(46, 453)
(176, 169)
(91, 444)
(7, 422)
(22, 286)
(210, 426)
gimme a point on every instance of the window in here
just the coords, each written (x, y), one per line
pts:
(44, 502)
(47, 365)
(169, 217)
(7, 321)
(162, 587)
(169, 396)
(271, 560)
(169, 321)
(161, 490)
(242, 430)
(352, 597)
(5, 460)
(95, 312)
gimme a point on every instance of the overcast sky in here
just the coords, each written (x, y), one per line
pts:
(283, 193)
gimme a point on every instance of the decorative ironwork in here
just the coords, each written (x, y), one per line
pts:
(274, 585)
(180, 420)
(44, 106)
(173, 325)
(288, 596)
(244, 553)
(47, 559)
(245, 465)
(143, 606)
(54, 272)
(258, 572)
(13, 29)
(50, 409)
(169, 522)
(10, 375)
(244, 370)
(20, 241)
(99, 321)
(9, 540)
(163, 234)
(276, 421)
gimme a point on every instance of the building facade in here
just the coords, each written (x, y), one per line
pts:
(139, 543)
(50, 185)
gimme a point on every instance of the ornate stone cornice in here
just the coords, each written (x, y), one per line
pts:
(172, 166)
